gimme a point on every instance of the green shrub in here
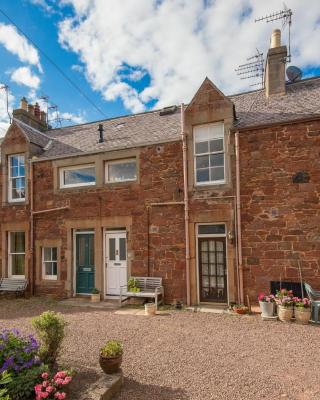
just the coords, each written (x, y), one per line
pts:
(95, 291)
(113, 348)
(5, 379)
(21, 387)
(50, 329)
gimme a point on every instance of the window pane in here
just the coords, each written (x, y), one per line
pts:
(217, 174)
(112, 249)
(47, 253)
(54, 253)
(216, 145)
(122, 247)
(202, 162)
(119, 172)
(18, 188)
(202, 147)
(17, 242)
(17, 264)
(203, 175)
(79, 176)
(217, 160)
(211, 229)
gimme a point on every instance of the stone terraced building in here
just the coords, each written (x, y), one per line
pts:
(219, 197)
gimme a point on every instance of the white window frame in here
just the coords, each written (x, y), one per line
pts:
(44, 275)
(10, 179)
(11, 254)
(122, 161)
(223, 151)
(62, 185)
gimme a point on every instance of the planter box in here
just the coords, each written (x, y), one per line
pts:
(267, 309)
(285, 314)
(302, 315)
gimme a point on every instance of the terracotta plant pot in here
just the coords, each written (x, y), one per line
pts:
(110, 365)
(285, 314)
(302, 315)
(95, 298)
(242, 310)
(150, 309)
(267, 309)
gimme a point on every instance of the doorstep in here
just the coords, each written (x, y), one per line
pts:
(86, 302)
(214, 308)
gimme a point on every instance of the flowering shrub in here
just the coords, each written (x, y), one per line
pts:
(267, 298)
(50, 329)
(17, 352)
(303, 303)
(50, 388)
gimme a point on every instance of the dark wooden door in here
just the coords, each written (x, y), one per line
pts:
(85, 268)
(212, 270)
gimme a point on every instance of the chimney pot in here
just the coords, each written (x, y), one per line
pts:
(275, 38)
(37, 110)
(24, 104)
(31, 109)
(43, 116)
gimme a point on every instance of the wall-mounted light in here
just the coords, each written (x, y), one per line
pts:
(230, 236)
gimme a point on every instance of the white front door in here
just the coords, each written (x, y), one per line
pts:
(116, 262)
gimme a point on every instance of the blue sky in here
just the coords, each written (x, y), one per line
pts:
(130, 56)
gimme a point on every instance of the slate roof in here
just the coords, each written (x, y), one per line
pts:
(302, 100)
(253, 109)
(34, 136)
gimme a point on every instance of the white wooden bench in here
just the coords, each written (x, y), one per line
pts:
(10, 285)
(149, 287)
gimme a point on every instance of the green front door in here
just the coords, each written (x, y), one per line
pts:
(85, 268)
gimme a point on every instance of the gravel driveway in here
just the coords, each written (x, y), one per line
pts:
(194, 356)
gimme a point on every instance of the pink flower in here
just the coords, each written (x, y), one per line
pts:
(50, 389)
(261, 296)
(38, 388)
(43, 395)
(58, 381)
(60, 374)
(44, 375)
(67, 380)
(60, 395)
(45, 383)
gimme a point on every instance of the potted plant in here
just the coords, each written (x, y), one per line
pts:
(110, 357)
(240, 309)
(302, 311)
(267, 303)
(133, 285)
(285, 303)
(95, 295)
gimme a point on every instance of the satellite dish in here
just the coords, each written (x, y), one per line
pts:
(294, 74)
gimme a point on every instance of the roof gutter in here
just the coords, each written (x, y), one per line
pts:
(186, 202)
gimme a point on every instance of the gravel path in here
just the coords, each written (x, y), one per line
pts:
(192, 356)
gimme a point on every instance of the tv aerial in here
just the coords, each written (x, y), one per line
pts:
(254, 68)
(286, 16)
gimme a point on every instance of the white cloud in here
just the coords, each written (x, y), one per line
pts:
(4, 117)
(178, 43)
(43, 4)
(18, 45)
(24, 76)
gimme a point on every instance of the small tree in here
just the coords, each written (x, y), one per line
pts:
(50, 329)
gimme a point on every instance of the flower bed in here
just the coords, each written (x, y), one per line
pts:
(27, 367)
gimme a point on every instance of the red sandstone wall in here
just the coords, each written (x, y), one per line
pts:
(280, 219)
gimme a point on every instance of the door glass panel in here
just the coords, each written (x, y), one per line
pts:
(91, 250)
(212, 281)
(204, 246)
(205, 269)
(220, 282)
(220, 257)
(221, 270)
(205, 281)
(81, 250)
(112, 249)
(204, 257)
(212, 269)
(212, 257)
(17, 261)
(122, 249)
(17, 242)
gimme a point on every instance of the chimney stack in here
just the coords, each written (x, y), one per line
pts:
(31, 115)
(275, 78)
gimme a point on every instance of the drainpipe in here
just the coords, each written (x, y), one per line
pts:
(186, 202)
(32, 272)
(239, 218)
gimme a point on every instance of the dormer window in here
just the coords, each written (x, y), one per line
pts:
(209, 160)
(16, 190)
